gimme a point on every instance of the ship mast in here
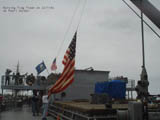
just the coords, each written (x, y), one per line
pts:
(147, 8)
(17, 70)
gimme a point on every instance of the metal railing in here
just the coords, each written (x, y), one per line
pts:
(130, 84)
(22, 84)
(66, 114)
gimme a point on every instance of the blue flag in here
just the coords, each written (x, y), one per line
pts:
(41, 67)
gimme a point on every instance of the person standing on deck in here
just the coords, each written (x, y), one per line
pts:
(35, 104)
(7, 76)
(45, 105)
(17, 76)
(13, 77)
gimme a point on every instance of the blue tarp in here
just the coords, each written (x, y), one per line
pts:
(115, 89)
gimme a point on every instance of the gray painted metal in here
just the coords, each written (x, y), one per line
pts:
(149, 10)
(122, 115)
(135, 111)
(23, 87)
(83, 84)
(154, 115)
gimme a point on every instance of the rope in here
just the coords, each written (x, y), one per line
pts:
(84, 5)
(140, 18)
(69, 26)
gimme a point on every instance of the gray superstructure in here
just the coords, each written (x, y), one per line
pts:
(83, 84)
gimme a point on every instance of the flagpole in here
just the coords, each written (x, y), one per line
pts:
(46, 68)
(55, 71)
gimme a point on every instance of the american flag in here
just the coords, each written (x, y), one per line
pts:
(67, 76)
(54, 66)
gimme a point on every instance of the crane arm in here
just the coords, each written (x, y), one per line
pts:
(149, 10)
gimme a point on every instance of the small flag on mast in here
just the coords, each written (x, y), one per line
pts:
(54, 66)
(67, 76)
(40, 67)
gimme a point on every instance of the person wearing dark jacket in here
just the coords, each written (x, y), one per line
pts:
(8, 71)
(35, 109)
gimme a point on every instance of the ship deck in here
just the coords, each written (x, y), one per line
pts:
(24, 113)
(87, 108)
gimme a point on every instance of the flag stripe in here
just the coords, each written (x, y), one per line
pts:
(66, 85)
(69, 82)
(65, 59)
(66, 69)
(64, 78)
(67, 76)
(62, 75)
(68, 65)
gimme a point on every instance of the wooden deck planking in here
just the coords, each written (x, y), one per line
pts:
(86, 107)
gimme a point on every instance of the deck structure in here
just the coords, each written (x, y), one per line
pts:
(84, 110)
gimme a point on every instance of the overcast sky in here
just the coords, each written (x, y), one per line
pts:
(109, 37)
